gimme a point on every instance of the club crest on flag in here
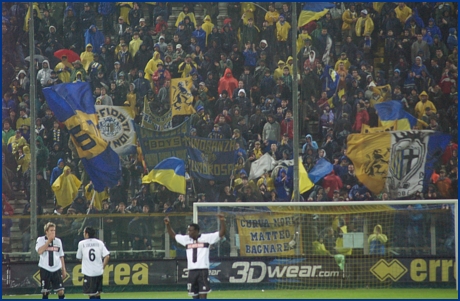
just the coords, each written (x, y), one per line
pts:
(110, 127)
(407, 165)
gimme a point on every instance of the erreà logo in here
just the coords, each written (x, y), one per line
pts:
(36, 277)
(384, 270)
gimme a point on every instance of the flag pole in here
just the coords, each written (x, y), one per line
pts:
(33, 157)
(87, 211)
(295, 105)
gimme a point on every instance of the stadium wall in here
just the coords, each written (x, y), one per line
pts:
(249, 273)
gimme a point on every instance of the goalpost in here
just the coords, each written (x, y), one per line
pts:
(299, 245)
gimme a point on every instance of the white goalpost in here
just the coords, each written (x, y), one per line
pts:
(376, 211)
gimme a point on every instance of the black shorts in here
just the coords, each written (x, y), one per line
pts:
(92, 285)
(51, 280)
(198, 282)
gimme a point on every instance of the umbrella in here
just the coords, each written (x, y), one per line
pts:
(71, 56)
(38, 57)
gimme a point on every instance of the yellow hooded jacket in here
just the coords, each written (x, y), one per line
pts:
(134, 46)
(63, 74)
(207, 27)
(66, 187)
(24, 160)
(87, 57)
(279, 71)
(151, 66)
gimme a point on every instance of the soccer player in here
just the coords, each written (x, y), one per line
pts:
(51, 263)
(94, 257)
(197, 246)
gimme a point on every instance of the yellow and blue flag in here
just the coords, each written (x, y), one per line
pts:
(169, 173)
(73, 104)
(305, 183)
(391, 111)
(399, 162)
(181, 96)
(313, 11)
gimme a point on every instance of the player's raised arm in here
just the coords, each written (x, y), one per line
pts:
(222, 225)
(168, 226)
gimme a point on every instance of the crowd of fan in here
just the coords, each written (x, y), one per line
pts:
(242, 76)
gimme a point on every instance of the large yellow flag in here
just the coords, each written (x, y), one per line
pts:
(370, 154)
(305, 183)
(181, 97)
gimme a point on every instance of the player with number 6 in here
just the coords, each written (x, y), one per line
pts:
(94, 258)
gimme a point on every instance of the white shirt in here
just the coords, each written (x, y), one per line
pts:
(198, 250)
(92, 252)
(57, 252)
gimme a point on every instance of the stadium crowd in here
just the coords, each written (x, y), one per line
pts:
(242, 75)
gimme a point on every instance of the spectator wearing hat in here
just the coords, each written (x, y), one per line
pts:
(87, 17)
(135, 44)
(249, 32)
(187, 67)
(216, 132)
(282, 34)
(121, 26)
(125, 58)
(344, 60)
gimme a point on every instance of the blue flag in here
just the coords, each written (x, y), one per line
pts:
(320, 170)
(73, 104)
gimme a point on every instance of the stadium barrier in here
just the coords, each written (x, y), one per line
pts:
(247, 273)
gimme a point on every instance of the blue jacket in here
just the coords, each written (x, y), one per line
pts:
(57, 171)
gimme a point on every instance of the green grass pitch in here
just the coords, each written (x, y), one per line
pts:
(278, 294)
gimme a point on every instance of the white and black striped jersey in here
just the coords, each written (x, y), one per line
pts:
(92, 251)
(50, 260)
(198, 250)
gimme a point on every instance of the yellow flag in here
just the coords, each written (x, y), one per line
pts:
(370, 154)
(388, 127)
(98, 198)
(181, 97)
(305, 183)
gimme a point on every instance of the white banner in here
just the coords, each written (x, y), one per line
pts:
(116, 126)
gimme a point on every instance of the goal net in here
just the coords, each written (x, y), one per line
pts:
(322, 245)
